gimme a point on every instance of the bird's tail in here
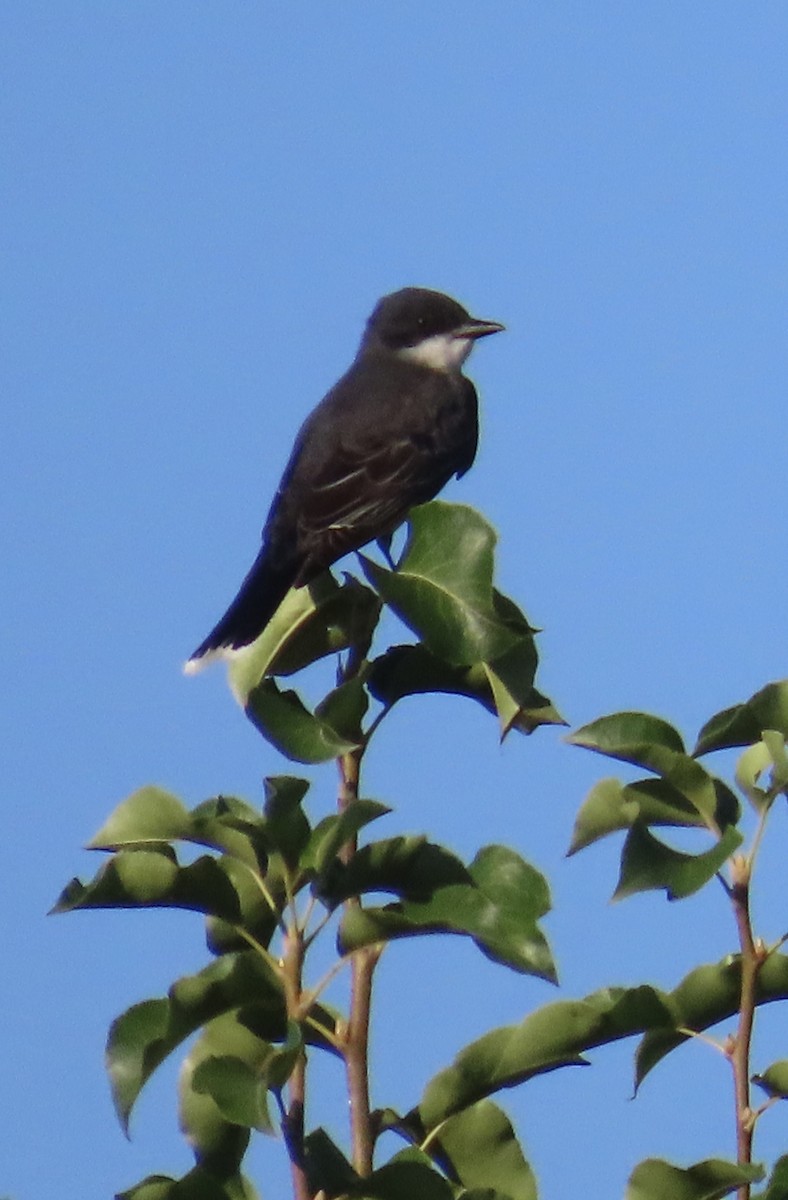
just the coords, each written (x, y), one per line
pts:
(259, 596)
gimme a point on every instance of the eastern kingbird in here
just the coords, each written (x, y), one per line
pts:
(388, 436)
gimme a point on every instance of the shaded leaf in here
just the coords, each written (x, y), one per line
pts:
(483, 1151)
(335, 831)
(409, 1174)
(497, 901)
(647, 864)
(327, 1169)
(633, 737)
(774, 1080)
(442, 587)
(291, 728)
(153, 878)
(612, 806)
(344, 709)
(232, 826)
(142, 1037)
(287, 827)
(706, 996)
(655, 1179)
(744, 724)
(777, 1188)
(413, 670)
(556, 1035)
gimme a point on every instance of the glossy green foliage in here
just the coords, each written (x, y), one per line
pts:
(471, 641)
(709, 1180)
(269, 881)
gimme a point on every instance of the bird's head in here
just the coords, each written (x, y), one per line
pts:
(425, 326)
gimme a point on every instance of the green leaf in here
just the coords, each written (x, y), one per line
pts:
(751, 764)
(291, 728)
(413, 670)
(344, 709)
(335, 831)
(237, 1090)
(497, 901)
(556, 1035)
(153, 878)
(147, 1033)
(150, 814)
(774, 1079)
(706, 996)
(409, 1174)
(198, 1184)
(281, 1064)
(442, 587)
(484, 1152)
(655, 1179)
(612, 806)
(633, 737)
(744, 724)
(287, 826)
(154, 1187)
(323, 618)
(232, 826)
(218, 1144)
(327, 1169)
(648, 864)
(777, 1188)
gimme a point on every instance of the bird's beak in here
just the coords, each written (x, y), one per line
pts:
(478, 329)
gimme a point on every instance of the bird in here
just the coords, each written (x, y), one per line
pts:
(388, 436)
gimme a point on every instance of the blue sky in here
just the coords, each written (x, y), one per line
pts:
(200, 204)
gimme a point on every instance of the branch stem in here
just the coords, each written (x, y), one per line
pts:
(293, 1120)
(363, 963)
(741, 1046)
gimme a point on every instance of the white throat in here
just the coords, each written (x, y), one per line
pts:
(441, 352)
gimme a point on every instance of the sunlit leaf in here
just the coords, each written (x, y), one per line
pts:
(285, 722)
(655, 1179)
(237, 1090)
(150, 814)
(750, 766)
(442, 587)
(706, 996)
(556, 1035)
(323, 618)
(648, 864)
